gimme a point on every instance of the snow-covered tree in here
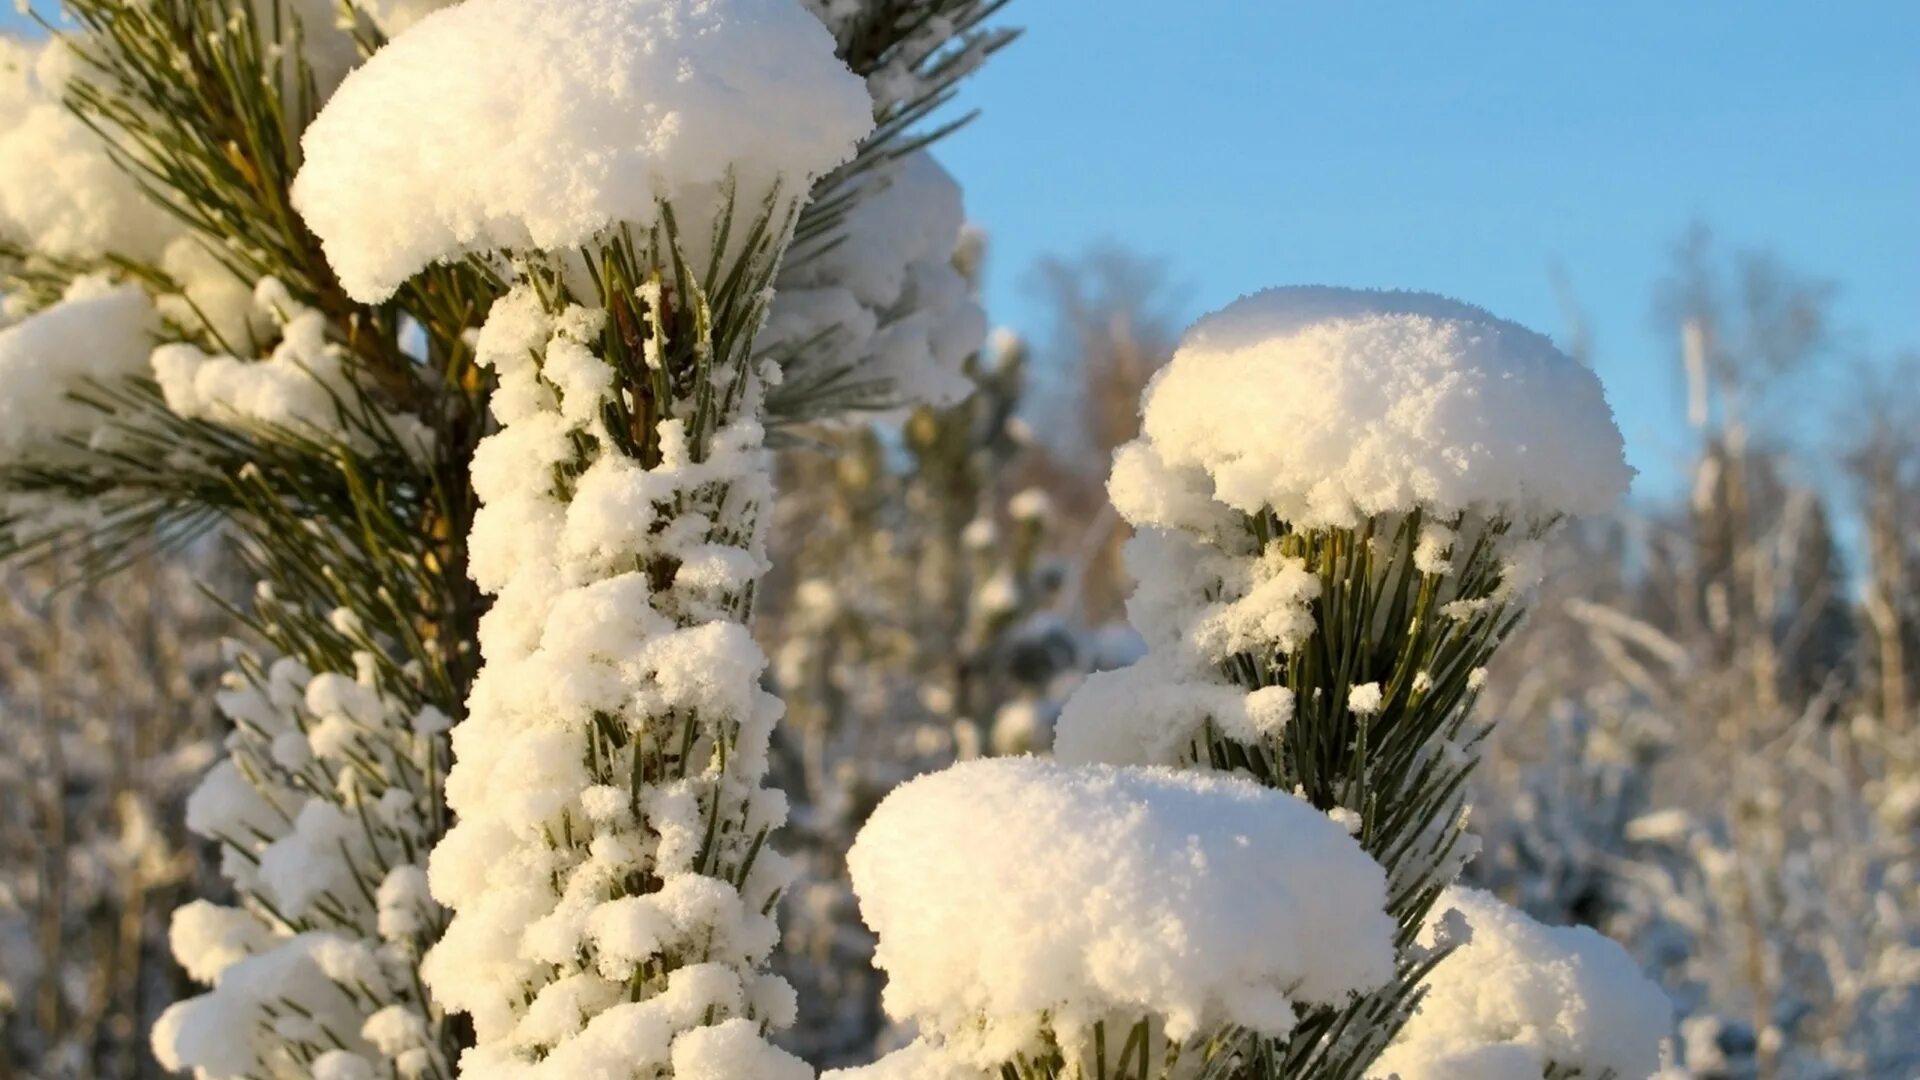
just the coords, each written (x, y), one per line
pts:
(191, 338)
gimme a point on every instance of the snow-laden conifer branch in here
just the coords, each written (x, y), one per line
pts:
(323, 809)
(871, 312)
(1341, 497)
(175, 128)
(176, 195)
(609, 874)
(335, 435)
(874, 313)
(330, 793)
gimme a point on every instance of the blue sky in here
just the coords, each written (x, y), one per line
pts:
(1465, 148)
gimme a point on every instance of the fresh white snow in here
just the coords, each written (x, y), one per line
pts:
(1009, 891)
(879, 298)
(1331, 405)
(1519, 996)
(303, 386)
(316, 805)
(555, 830)
(99, 333)
(61, 195)
(552, 120)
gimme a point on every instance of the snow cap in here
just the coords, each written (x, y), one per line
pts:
(537, 123)
(1520, 996)
(1002, 889)
(1330, 405)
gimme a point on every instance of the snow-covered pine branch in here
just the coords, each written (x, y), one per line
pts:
(323, 809)
(638, 168)
(180, 187)
(1340, 499)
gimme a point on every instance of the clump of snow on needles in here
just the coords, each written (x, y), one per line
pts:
(1330, 405)
(1011, 892)
(502, 124)
(878, 302)
(98, 332)
(1521, 996)
(61, 194)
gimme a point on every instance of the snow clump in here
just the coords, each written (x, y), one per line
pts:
(97, 333)
(877, 308)
(61, 193)
(555, 119)
(1520, 996)
(1013, 893)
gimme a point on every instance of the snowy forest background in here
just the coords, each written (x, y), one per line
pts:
(1709, 748)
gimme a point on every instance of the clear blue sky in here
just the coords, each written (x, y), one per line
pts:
(1465, 148)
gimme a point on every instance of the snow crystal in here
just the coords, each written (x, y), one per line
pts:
(1330, 405)
(1433, 554)
(1520, 996)
(1364, 699)
(554, 119)
(1112, 892)
(879, 301)
(1269, 709)
(98, 332)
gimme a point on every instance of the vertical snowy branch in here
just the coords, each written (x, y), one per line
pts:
(1341, 498)
(609, 876)
(609, 872)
